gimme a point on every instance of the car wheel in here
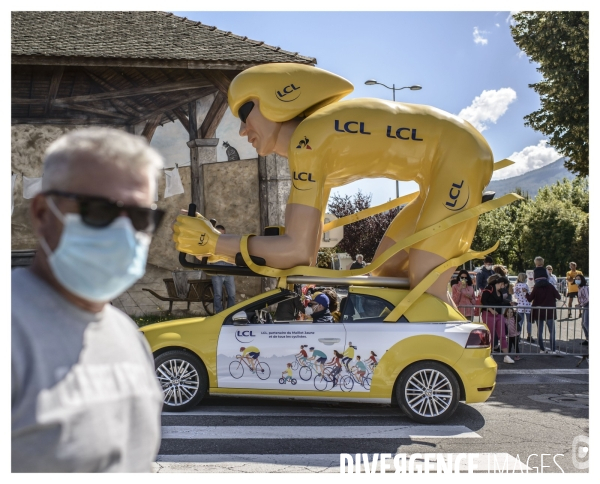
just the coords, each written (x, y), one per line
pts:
(428, 392)
(183, 379)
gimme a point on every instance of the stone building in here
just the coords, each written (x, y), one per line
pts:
(159, 76)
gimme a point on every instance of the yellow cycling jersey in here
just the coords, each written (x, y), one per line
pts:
(372, 138)
(250, 349)
(349, 352)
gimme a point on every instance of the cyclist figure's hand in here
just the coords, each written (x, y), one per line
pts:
(195, 235)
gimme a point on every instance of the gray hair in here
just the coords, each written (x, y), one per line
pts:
(103, 145)
(539, 259)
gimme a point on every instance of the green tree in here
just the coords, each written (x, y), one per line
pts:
(360, 237)
(504, 225)
(549, 230)
(559, 43)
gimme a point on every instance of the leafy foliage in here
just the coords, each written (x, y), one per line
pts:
(554, 225)
(559, 43)
(360, 237)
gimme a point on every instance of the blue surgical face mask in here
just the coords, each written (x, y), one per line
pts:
(577, 281)
(97, 264)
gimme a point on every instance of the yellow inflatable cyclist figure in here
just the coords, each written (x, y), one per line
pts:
(295, 111)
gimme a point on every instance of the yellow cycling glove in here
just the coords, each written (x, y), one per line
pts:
(195, 235)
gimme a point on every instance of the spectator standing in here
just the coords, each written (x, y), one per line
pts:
(551, 277)
(463, 294)
(544, 295)
(523, 309)
(358, 263)
(85, 397)
(583, 296)
(485, 272)
(503, 272)
(219, 280)
(513, 331)
(572, 288)
(493, 303)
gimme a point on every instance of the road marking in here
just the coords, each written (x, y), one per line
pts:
(547, 371)
(310, 463)
(319, 432)
(291, 412)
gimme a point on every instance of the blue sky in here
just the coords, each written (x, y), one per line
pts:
(466, 62)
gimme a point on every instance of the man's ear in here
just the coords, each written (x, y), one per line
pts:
(38, 213)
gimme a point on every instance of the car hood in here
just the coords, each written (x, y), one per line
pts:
(171, 324)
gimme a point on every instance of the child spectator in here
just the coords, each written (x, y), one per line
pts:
(521, 291)
(513, 331)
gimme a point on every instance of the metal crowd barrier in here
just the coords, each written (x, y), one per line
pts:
(570, 336)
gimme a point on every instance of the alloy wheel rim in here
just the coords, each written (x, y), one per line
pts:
(179, 381)
(428, 393)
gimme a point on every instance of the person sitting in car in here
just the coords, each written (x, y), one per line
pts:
(320, 307)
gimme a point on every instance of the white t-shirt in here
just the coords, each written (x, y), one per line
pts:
(85, 397)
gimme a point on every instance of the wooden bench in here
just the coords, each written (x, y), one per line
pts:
(196, 287)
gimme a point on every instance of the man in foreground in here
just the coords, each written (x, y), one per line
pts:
(84, 394)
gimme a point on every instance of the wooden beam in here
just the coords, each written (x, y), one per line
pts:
(218, 79)
(79, 120)
(195, 169)
(191, 96)
(122, 104)
(53, 91)
(183, 119)
(131, 92)
(151, 126)
(103, 112)
(214, 116)
(193, 120)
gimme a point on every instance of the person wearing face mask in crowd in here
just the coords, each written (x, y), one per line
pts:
(320, 307)
(85, 397)
(464, 295)
(485, 272)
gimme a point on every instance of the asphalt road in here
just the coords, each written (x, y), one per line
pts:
(539, 406)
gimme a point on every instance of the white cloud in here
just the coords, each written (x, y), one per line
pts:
(497, 25)
(478, 36)
(488, 107)
(509, 19)
(529, 158)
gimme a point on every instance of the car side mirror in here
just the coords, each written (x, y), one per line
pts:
(240, 318)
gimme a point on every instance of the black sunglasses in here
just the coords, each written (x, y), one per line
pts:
(100, 212)
(244, 111)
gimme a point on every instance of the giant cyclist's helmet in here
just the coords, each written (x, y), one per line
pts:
(286, 90)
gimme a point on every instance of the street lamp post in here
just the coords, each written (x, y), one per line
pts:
(372, 82)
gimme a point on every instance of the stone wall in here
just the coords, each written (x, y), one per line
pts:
(231, 196)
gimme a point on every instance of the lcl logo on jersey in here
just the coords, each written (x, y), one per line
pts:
(244, 336)
(454, 196)
(303, 177)
(352, 127)
(403, 133)
(288, 93)
(203, 239)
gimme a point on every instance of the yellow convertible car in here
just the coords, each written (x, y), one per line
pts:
(424, 365)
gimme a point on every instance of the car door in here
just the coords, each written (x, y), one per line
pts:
(278, 343)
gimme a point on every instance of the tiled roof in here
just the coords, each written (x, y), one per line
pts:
(136, 35)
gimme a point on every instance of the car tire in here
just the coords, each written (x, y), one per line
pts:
(428, 392)
(183, 379)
